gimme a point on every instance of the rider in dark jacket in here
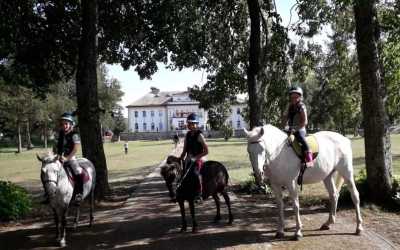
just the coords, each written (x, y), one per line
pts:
(194, 148)
(67, 147)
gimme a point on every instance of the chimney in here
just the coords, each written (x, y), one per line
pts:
(154, 91)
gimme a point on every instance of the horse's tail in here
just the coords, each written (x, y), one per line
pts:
(339, 182)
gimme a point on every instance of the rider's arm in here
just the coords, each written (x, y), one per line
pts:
(285, 119)
(303, 117)
(73, 152)
(183, 154)
(201, 139)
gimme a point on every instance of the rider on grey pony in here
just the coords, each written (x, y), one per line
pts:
(296, 121)
(67, 146)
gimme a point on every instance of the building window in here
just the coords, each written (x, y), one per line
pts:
(144, 126)
(144, 113)
(160, 113)
(136, 114)
(152, 113)
(136, 126)
(160, 126)
(238, 111)
(181, 124)
(238, 124)
(152, 126)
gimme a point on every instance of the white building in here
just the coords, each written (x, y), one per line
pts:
(167, 111)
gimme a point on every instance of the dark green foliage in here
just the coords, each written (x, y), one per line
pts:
(393, 203)
(227, 131)
(14, 201)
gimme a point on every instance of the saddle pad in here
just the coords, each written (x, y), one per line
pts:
(85, 175)
(311, 141)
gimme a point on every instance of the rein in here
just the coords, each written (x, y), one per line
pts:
(54, 181)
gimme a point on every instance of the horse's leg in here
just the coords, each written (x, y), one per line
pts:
(228, 204)
(57, 222)
(217, 204)
(63, 227)
(356, 200)
(192, 213)
(333, 199)
(294, 195)
(279, 201)
(183, 218)
(91, 207)
(76, 221)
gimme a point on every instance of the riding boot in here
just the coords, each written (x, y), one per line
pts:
(309, 159)
(78, 188)
(199, 195)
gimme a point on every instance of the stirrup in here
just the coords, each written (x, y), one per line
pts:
(198, 198)
(78, 198)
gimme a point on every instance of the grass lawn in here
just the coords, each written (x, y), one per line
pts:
(24, 168)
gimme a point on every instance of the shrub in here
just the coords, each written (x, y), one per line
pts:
(227, 131)
(14, 201)
(362, 187)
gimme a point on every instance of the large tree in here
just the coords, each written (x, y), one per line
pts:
(377, 138)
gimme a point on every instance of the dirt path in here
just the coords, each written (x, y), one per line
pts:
(148, 220)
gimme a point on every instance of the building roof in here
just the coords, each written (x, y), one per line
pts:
(152, 99)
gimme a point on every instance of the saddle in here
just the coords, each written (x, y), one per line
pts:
(71, 177)
(311, 141)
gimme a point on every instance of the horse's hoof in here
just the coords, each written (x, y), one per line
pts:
(297, 237)
(183, 229)
(230, 220)
(63, 244)
(325, 227)
(279, 235)
(359, 231)
(217, 219)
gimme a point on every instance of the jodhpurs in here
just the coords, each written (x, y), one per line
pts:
(301, 137)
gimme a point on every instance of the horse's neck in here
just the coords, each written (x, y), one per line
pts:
(274, 140)
(63, 180)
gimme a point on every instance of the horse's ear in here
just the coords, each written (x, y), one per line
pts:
(38, 157)
(262, 131)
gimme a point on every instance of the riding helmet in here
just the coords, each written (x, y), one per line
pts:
(192, 118)
(296, 89)
(67, 116)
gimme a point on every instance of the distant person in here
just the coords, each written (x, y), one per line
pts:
(176, 139)
(194, 150)
(126, 147)
(296, 121)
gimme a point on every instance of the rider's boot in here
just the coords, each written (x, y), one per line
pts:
(199, 196)
(79, 188)
(309, 159)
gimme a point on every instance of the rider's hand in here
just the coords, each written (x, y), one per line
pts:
(61, 159)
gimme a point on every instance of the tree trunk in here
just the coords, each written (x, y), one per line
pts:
(88, 104)
(28, 136)
(45, 132)
(376, 134)
(253, 85)
(19, 148)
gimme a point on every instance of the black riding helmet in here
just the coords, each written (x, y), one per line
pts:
(192, 118)
(68, 116)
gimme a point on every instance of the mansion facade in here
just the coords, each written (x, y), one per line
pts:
(167, 111)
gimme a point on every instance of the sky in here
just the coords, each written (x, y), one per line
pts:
(167, 80)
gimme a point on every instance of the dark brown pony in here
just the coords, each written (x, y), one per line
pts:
(215, 181)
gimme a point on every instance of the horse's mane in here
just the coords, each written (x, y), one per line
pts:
(268, 132)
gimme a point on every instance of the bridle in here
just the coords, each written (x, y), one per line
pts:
(53, 181)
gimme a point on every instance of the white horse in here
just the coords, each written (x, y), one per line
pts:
(272, 157)
(60, 190)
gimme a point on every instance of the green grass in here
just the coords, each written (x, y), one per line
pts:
(24, 167)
